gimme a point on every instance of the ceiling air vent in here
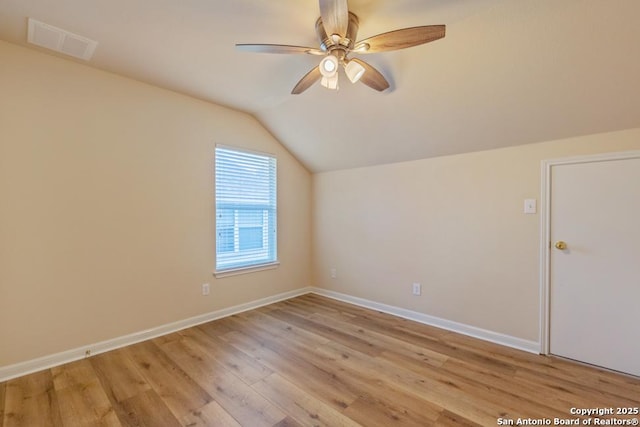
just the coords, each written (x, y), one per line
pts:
(59, 40)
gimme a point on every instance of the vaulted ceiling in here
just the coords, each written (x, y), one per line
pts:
(508, 72)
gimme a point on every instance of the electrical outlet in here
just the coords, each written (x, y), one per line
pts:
(334, 273)
(417, 289)
(205, 289)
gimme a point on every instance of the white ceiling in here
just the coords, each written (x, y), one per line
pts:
(508, 72)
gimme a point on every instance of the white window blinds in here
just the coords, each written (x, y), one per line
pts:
(245, 209)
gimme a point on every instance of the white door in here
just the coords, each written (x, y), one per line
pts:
(594, 285)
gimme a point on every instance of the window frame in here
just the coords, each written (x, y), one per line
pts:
(257, 266)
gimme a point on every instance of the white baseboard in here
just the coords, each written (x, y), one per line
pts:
(34, 365)
(461, 328)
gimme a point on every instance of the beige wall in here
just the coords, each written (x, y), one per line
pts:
(106, 216)
(454, 224)
(106, 206)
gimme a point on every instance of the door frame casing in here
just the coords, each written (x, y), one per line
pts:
(545, 231)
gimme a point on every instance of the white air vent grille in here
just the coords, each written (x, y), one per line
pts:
(50, 37)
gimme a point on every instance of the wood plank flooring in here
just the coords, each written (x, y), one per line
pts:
(311, 361)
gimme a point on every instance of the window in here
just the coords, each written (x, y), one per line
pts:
(245, 209)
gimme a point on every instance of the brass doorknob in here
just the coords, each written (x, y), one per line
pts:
(561, 245)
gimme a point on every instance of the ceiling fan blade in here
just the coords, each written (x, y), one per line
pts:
(372, 77)
(335, 16)
(305, 83)
(400, 39)
(278, 48)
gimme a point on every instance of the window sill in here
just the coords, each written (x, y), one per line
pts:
(244, 270)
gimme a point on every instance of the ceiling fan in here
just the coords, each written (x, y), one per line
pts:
(337, 29)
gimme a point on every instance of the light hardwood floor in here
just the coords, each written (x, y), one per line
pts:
(310, 361)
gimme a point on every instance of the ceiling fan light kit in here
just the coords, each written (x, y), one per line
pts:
(329, 70)
(354, 71)
(329, 66)
(337, 29)
(330, 82)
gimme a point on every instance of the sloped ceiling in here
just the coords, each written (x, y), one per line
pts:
(508, 72)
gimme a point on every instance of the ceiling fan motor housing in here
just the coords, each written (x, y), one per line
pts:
(346, 41)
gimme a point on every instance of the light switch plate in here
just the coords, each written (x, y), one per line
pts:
(530, 206)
